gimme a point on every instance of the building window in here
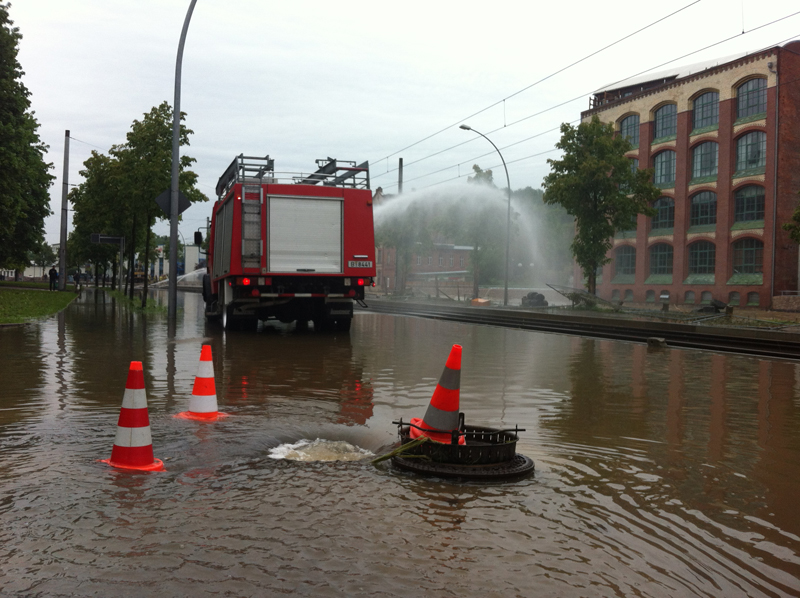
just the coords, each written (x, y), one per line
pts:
(628, 295)
(664, 164)
(704, 209)
(688, 297)
(702, 257)
(625, 262)
(419, 260)
(749, 204)
(751, 150)
(734, 298)
(650, 296)
(661, 259)
(430, 260)
(706, 297)
(441, 261)
(665, 213)
(751, 98)
(748, 256)
(704, 160)
(666, 121)
(461, 261)
(451, 261)
(752, 298)
(706, 110)
(629, 128)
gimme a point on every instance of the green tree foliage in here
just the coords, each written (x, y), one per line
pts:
(42, 255)
(24, 175)
(119, 191)
(594, 182)
(793, 226)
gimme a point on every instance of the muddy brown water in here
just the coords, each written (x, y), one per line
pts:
(658, 472)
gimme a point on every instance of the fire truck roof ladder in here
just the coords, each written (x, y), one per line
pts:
(245, 168)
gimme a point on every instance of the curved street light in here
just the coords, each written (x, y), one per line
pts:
(508, 218)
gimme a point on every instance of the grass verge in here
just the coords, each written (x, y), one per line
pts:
(20, 305)
(24, 285)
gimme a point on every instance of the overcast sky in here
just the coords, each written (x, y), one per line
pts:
(358, 81)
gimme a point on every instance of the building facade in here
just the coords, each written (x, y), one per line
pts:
(724, 141)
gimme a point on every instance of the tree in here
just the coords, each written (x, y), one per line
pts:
(145, 161)
(793, 226)
(596, 185)
(42, 255)
(407, 231)
(24, 175)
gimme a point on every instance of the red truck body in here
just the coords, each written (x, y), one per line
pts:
(300, 250)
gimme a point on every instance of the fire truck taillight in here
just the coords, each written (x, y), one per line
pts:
(245, 281)
(255, 293)
(360, 282)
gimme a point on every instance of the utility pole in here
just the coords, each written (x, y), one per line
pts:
(400, 177)
(172, 295)
(62, 250)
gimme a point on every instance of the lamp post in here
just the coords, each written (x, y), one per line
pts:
(508, 217)
(172, 300)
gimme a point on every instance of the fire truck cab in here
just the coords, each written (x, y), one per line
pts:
(292, 248)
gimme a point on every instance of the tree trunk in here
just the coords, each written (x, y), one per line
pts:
(132, 257)
(96, 274)
(114, 276)
(475, 275)
(146, 265)
(591, 281)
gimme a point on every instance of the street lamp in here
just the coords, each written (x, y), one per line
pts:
(508, 219)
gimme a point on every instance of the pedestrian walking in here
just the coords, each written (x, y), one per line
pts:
(53, 273)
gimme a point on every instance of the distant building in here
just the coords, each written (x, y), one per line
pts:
(723, 140)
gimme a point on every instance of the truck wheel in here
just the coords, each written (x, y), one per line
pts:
(343, 324)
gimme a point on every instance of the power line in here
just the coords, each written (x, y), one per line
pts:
(539, 81)
(588, 93)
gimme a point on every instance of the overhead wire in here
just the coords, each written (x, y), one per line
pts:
(561, 70)
(590, 92)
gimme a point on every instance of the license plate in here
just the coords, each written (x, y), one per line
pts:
(352, 264)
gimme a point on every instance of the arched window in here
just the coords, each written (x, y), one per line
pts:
(615, 295)
(688, 297)
(629, 127)
(704, 160)
(666, 121)
(665, 213)
(650, 296)
(752, 298)
(661, 259)
(751, 150)
(749, 203)
(706, 297)
(733, 298)
(664, 164)
(702, 257)
(751, 98)
(704, 209)
(628, 295)
(706, 110)
(748, 256)
(625, 262)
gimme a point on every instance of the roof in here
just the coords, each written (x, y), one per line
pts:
(677, 72)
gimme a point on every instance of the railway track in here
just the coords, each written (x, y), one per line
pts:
(749, 341)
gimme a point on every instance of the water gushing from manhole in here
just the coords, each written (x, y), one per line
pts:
(320, 450)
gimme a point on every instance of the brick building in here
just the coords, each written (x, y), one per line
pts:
(724, 140)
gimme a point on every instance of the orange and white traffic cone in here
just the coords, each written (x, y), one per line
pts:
(203, 405)
(133, 445)
(442, 414)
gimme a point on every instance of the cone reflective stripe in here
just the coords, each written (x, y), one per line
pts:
(203, 404)
(442, 413)
(133, 444)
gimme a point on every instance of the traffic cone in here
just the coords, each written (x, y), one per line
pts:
(203, 405)
(442, 413)
(133, 445)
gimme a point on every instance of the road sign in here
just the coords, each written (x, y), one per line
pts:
(164, 199)
(98, 238)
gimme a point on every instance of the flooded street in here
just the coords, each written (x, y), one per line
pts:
(658, 472)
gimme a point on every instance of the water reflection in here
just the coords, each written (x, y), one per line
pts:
(659, 473)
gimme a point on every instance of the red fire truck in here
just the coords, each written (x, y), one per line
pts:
(299, 248)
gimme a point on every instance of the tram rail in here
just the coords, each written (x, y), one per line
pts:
(779, 344)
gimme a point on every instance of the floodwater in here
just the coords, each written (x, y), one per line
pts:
(658, 472)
